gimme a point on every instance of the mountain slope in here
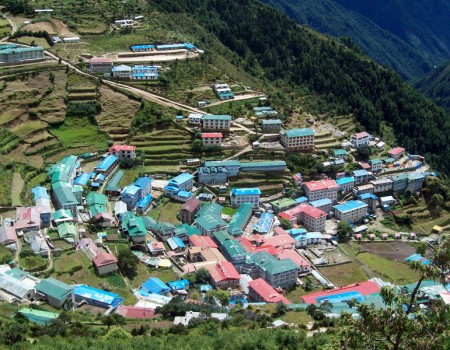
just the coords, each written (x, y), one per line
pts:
(329, 17)
(276, 48)
(436, 85)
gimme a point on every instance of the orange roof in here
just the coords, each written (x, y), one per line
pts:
(223, 271)
(267, 292)
(211, 134)
(303, 208)
(360, 135)
(202, 241)
(397, 150)
(299, 260)
(104, 259)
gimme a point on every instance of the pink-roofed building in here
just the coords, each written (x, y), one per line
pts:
(250, 248)
(312, 218)
(202, 241)
(123, 151)
(282, 241)
(278, 231)
(303, 264)
(156, 248)
(316, 190)
(88, 247)
(189, 209)
(27, 219)
(135, 312)
(105, 263)
(7, 234)
(365, 288)
(396, 152)
(100, 65)
(261, 291)
(360, 139)
(365, 166)
(212, 139)
(224, 275)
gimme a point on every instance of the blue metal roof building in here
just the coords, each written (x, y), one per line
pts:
(175, 243)
(107, 164)
(40, 192)
(180, 179)
(345, 180)
(143, 182)
(350, 205)
(365, 196)
(156, 286)
(97, 297)
(144, 203)
(300, 200)
(142, 47)
(245, 191)
(264, 223)
(178, 285)
(82, 179)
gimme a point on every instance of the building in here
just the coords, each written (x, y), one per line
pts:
(346, 184)
(283, 205)
(155, 286)
(303, 238)
(382, 185)
(144, 73)
(297, 180)
(376, 165)
(303, 264)
(312, 218)
(107, 165)
(123, 151)
(216, 122)
(96, 297)
(195, 118)
(121, 72)
(260, 291)
(16, 284)
(399, 183)
(189, 209)
(96, 203)
(240, 196)
(397, 153)
(360, 139)
(415, 182)
(212, 175)
(53, 292)
(41, 318)
(351, 211)
(315, 190)
(105, 263)
(63, 198)
(142, 47)
(224, 275)
(361, 176)
(202, 242)
(240, 219)
(223, 91)
(298, 139)
(370, 199)
(183, 182)
(168, 47)
(21, 54)
(212, 139)
(100, 65)
(67, 231)
(135, 312)
(359, 190)
(324, 204)
(130, 195)
(209, 219)
(271, 126)
(134, 227)
(232, 166)
(278, 273)
(112, 187)
(339, 153)
(144, 183)
(234, 252)
(270, 166)
(43, 205)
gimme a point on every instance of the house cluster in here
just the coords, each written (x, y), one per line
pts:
(163, 47)
(223, 91)
(13, 54)
(106, 66)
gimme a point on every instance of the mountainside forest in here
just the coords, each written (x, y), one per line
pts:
(275, 48)
(436, 85)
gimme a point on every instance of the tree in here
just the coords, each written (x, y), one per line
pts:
(421, 248)
(202, 276)
(197, 146)
(344, 231)
(364, 152)
(127, 262)
(222, 296)
(113, 320)
(117, 333)
(285, 224)
(280, 310)
(126, 163)
(402, 324)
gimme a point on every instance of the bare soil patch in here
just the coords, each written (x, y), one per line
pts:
(389, 250)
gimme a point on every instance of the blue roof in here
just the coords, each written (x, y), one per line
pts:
(179, 242)
(175, 243)
(180, 179)
(350, 205)
(95, 184)
(143, 182)
(149, 68)
(39, 192)
(300, 200)
(144, 202)
(296, 231)
(100, 177)
(360, 172)
(264, 223)
(156, 286)
(345, 180)
(189, 46)
(184, 194)
(321, 202)
(106, 163)
(368, 196)
(205, 287)
(178, 285)
(131, 190)
(142, 47)
(98, 295)
(299, 132)
(171, 46)
(179, 117)
(82, 179)
(245, 191)
(152, 74)
(121, 68)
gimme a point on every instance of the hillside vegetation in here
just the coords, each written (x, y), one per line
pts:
(436, 85)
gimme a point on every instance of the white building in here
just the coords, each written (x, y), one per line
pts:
(298, 139)
(315, 190)
(123, 151)
(382, 185)
(212, 139)
(71, 40)
(216, 122)
(122, 71)
(351, 211)
(195, 118)
(240, 196)
(360, 139)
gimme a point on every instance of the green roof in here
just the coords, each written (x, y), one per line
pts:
(272, 265)
(63, 191)
(233, 249)
(239, 218)
(299, 132)
(271, 122)
(389, 160)
(150, 223)
(165, 226)
(216, 117)
(96, 209)
(113, 183)
(95, 198)
(67, 230)
(209, 222)
(339, 152)
(17, 273)
(221, 236)
(69, 161)
(134, 225)
(190, 230)
(272, 163)
(400, 177)
(375, 161)
(38, 316)
(22, 49)
(221, 163)
(62, 214)
(54, 288)
(284, 203)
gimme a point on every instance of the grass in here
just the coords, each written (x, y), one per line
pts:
(5, 255)
(392, 271)
(169, 213)
(37, 41)
(5, 189)
(33, 263)
(297, 317)
(343, 275)
(76, 132)
(229, 211)
(165, 275)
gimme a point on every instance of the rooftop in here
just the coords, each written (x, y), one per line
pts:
(396, 151)
(345, 180)
(349, 206)
(54, 288)
(237, 222)
(299, 132)
(320, 185)
(216, 117)
(267, 292)
(360, 135)
(245, 191)
(211, 134)
(222, 271)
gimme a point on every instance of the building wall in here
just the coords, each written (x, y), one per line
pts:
(215, 124)
(236, 201)
(271, 128)
(360, 142)
(313, 224)
(212, 142)
(212, 178)
(104, 270)
(101, 67)
(19, 56)
(352, 216)
(298, 143)
(347, 187)
(331, 194)
(226, 284)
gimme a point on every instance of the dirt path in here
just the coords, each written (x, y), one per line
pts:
(17, 186)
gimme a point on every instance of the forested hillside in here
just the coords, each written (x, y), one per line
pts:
(329, 17)
(436, 85)
(278, 49)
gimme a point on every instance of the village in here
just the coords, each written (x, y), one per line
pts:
(259, 247)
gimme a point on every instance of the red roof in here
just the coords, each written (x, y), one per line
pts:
(211, 134)
(250, 248)
(223, 271)
(280, 231)
(135, 312)
(299, 260)
(104, 259)
(303, 208)
(278, 241)
(267, 292)
(360, 135)
(202, 241)
(365, 166)
(396, 151)
(321, 185)
(118, 148)
(100, 60)
(191, 205)
(365, 288)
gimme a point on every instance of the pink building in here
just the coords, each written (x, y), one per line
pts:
(312, 218)
(303, 264)
(396, 152)
(202, 242)
(105, 263)
(123, 151)
(261, 291)
(212, 139)
(224, 275)
(360, 139)
(316, 190)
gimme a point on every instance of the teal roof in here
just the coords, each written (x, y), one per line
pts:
(134, 225)
(221, 236)
(299, 132)
(416, 176)
(271, 122)
(54, 288)
(17, 273)
(62, 214)
(216, 117)
(239, 218)
(375, 161)
(95, 198)
(221, 163)
(210, 217)
(190, 230)
(233, 249)
(22, 49)
(113, 183)
(400, 177)
(70, 161)
(38, 316)
(63, 191)
(67, 230)
(272, 265)
(150, 223)
(339, 152)
(273, 163)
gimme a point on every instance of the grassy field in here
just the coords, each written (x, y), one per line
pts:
(5, 255)
(229, 211)
(6, 176)
(16, 189)
(300, 317)
(166, 212)
(29, 40)
(343, 275)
